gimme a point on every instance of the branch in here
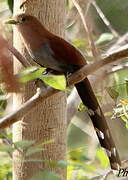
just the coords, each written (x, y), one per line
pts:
(117, 68)
(91, 68)
(73, 101)
(46, 91)
(16, 53)
(41, 94)
(86, 27)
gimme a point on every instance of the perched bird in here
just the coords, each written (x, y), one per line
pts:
(59, 56)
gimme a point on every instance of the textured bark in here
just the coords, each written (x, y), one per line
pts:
(48, 120)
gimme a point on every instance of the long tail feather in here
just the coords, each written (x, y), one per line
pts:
(100, 124)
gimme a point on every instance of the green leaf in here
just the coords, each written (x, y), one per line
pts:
(24, 144)
(105, 37)
(30, 73)
(78, 155)
(10, 4)
(57, 82)
(46, 175)
(126, 125)
(6, 148)
(102, 157)
(119, 110)
(48, 142)
(6, 170)
(60, 163)
(123, 118)
(69, 4)
(3, 102)
(112, 93)
(79, 43)
(63, 164)
(84, 178)
(34, 160)
(82, 107)
(33, 150)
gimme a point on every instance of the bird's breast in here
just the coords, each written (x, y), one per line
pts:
(44, 56)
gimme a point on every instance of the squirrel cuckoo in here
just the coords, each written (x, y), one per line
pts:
(59, 56)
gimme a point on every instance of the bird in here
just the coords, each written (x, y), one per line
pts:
(59, 56)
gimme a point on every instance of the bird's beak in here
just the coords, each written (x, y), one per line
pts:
(11, 21)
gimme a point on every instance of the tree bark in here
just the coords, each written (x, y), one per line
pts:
(48, 120)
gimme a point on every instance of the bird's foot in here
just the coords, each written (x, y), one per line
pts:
(47, 71)
(38, 82)
(51, 71)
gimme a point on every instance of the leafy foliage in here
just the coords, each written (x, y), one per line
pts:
(3, 102)
(47, 175)
(6, 170)
(82, 107)
(104, 38)
(10, 4)
(32, 73)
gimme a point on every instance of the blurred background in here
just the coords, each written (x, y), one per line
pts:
(108, 25)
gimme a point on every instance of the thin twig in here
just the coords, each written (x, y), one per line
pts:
(41, 94)
(16, 53)
(87, 29)
(23, 60)
(47, 91)
(117, 68)
(105, 20)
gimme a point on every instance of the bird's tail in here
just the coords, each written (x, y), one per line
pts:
(103, 132)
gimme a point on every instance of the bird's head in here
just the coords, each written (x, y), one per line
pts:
(29, 26)
(21, 19)
(32, 31)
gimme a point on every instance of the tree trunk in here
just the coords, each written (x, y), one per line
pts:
(48, 120)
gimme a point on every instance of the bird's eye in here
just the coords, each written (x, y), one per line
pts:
(23, 19)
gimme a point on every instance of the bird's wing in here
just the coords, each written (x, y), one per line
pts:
(65, 52)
